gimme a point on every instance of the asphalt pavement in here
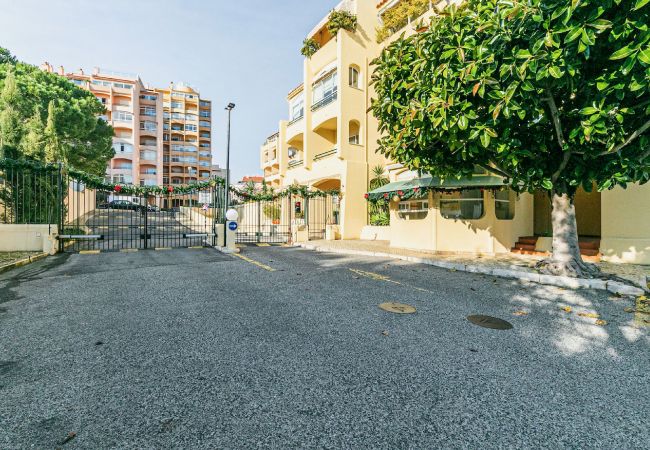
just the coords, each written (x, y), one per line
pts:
(286, 348)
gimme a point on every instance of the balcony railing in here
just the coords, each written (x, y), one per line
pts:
(325, 154)
(325, 101)
(295, 120)
(297, 163)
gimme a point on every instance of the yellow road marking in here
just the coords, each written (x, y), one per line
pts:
(196, 248)
(90, 252)
(263, 245)
(129, 250)
(252, 261)
(158, 249)
(379, 277)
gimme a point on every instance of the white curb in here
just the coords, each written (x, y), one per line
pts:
(552, 280)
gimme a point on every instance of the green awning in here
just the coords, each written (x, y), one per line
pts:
(419, 186)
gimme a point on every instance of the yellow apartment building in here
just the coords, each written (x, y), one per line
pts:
(329, 141)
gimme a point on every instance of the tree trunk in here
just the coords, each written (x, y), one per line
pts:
(566, 259)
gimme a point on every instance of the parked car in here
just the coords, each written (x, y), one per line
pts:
(124, 204)
(153, 208)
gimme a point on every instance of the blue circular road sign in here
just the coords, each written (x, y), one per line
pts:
(232, 226)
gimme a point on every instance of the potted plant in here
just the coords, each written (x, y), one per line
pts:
(272, 212)
(341, 20)
(309, 47)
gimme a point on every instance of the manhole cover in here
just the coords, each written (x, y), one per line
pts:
(397, 308)
(493, 323)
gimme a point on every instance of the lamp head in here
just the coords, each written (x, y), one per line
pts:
(230, 107)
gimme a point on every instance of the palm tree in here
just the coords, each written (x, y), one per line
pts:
(378, 178)
(379, 214)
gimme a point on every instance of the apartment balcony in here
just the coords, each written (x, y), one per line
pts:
(118, 123)
(148, 156)
(270, 162)
(295, 128)
(296, 163)
(324, 110)
(121, 170)
(324, 155)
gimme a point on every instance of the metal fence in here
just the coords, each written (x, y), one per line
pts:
(30, 195)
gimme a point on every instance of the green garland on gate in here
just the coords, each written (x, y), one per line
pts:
(297, 190)
(98, 183)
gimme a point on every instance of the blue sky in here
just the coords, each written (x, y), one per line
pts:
(244, 51)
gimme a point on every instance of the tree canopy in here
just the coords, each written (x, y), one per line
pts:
(45, 117)
(552, 94)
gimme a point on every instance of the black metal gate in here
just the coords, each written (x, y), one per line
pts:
(102, 220)
(276, 221)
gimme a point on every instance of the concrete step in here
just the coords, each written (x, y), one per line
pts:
(531, 240)
(591, 244)
(525, 246)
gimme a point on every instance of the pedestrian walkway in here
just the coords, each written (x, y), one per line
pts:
(509, 265)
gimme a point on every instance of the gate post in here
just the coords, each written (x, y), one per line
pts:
(146, 224)
(61, 205)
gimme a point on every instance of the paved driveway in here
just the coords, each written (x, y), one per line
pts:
(288, 349)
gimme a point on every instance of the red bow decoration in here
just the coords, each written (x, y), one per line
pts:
(117, 188)
(416, 189)
(366, 196)
(386, 195)
(170, 188)
(400, 193)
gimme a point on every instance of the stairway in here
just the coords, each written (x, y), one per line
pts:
(589, 248)
(526, 246)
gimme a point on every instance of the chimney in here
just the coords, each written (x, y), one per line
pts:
(61, 71)
(95, 70)
(81, 71)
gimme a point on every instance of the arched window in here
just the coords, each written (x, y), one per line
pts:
(354, 132)
(354, 77)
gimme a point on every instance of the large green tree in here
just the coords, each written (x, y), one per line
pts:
(551, 94)
(44, 116)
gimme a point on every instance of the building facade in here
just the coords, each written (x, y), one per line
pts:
(187, 135)
(162, 136)
(329, 141)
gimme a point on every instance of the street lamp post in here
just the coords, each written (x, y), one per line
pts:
(229, 108)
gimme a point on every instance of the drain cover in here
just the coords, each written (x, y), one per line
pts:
(493, 323)
(397, 308)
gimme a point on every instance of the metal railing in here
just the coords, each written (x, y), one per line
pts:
(30, 195)
(325, 101)
(325, 154)
(293, 164)
(296, 120)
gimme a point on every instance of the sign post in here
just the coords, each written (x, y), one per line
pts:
(231, 229)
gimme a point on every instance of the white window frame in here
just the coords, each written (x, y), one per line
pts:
(325, 87)
(354, 77)
(297, 107)
(509, 202)
(414, 209)
(480, 198)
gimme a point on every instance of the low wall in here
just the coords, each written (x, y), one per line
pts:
(28, 238)
(375, 233)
